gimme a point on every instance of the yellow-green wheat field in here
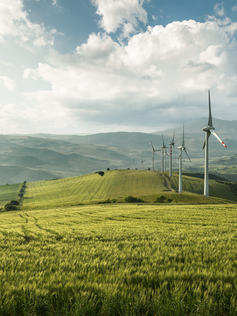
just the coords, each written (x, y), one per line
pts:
(116, 259)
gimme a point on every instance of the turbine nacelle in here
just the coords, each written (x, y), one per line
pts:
(208, 128)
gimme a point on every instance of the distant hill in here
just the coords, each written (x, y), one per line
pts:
(49, 156)
(25, 158)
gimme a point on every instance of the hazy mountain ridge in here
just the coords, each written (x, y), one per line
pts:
(32, 158)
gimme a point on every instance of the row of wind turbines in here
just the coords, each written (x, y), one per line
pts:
(209, 129)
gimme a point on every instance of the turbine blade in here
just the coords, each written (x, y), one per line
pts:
(187, 154)
(153, 149)
(173, 137)
(210, 117)
(163, 140)
(215, 134)
(208, 135)
(204, 144)
(183, 136)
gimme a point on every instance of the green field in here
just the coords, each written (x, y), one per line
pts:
(118, 184)
(65, 253)
(119, 259)
(195, 185)
(8, 193)
(93, 188)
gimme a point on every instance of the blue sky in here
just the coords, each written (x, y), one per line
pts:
(90, 66)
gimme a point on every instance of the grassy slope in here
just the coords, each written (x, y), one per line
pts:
(118, 184)
(92, 188)
(195, 185)
(8, 193)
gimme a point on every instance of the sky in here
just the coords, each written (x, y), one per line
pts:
(97, 66)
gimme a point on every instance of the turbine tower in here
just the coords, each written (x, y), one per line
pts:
(142, 161)
(162, 154)
(153, 154)
(181, 148)
(172, 143)
(209, 129)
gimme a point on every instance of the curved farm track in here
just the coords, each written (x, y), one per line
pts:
(167, 183)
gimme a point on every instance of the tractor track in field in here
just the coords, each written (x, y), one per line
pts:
(26, 232)
(167, 183)
(26, 219)
(46, 229)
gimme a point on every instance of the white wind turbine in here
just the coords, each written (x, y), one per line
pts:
(162, 154)
(153, 154)
(172, 143)
(181, 148)
(209, 129)
(142, 161)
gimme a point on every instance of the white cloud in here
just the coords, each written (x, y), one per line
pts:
(29, 73)
(219, 9)
(6, 64)
(7, 82)
(160, 75)
(234, 8)
(14, 21)
(17, 120)
(120, 13)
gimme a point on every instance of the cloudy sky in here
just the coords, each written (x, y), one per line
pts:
(90, 66)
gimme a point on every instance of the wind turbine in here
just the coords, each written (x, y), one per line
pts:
(181, 148)
(162, 154)
(142, 161)
(134, 163)
(209, 129)
(153, 153)
(172, 143)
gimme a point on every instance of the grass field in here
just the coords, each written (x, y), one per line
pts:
(8, 193)
(195, 185)
(118, 184)
(60, 257)
(93, 188)
(119, 260)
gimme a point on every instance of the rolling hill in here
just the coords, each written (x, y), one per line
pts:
(117, 184)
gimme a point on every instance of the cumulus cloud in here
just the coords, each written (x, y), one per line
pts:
(120, 14)
(14, 21)
(150, 80)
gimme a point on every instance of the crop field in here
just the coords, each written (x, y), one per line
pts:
(8, 192)
(92, 188)
(118, 184)
(119, 259)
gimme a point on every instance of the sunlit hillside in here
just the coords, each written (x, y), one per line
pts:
(117, 184)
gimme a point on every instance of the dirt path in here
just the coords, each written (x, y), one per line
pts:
(167, 183)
